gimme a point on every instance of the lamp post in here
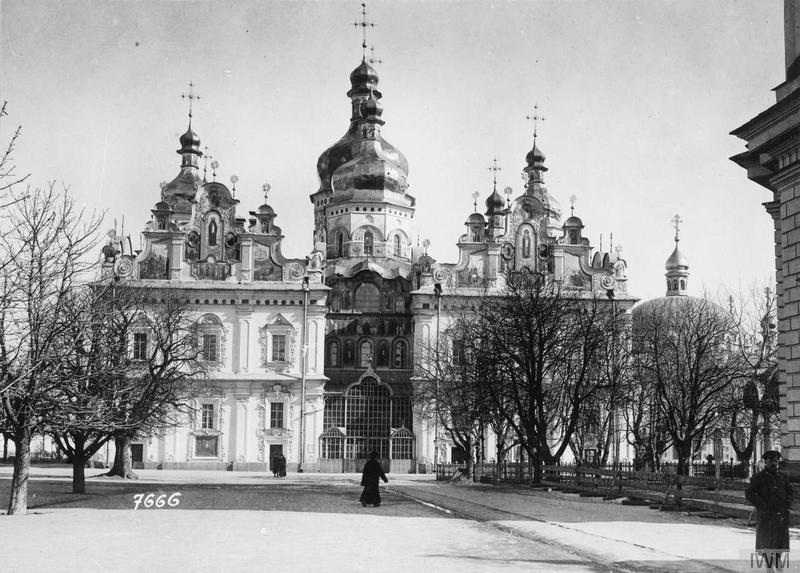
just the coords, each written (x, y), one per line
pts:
(437, 292)
(303, 359)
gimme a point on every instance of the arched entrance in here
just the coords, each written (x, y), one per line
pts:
(366, 417)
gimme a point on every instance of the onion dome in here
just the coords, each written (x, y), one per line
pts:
(574, 221)
(179, 192)
(677, 260)
(162, 206)
(365, 123)
(363, 79)
(495, 204)
(190, 143)
(476, 218)
(535, 159)
(371, 170)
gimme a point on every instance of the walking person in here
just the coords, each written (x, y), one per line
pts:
(273, 465)
(369, 481)
(281, 465)
(771, 494)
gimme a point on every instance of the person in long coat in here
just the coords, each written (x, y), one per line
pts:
(369, 480)
(281, 465)
(771, 494)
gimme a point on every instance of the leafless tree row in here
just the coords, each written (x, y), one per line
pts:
(555, 369)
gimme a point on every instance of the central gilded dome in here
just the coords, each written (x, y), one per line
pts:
(365, 123)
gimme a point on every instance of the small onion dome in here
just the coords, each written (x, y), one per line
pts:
(676, 261)
(495, 204)
(161, 206)
(364, 79)
(574, 222)
(535, 159)
(476, 218)
(190, 143)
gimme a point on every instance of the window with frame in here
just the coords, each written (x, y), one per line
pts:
(139, 346)
(279, 348)
(210, 348)
(397, 246)
(333, 353)
(400, 354)
(206, 446)
(276, 415)
(207, 417)
(365, 354)
(368, 243)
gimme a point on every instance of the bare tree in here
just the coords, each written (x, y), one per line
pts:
(161, 384)
(683, 355)
(450, 390)
(93, 366)
(45, 249)
(543, 345)
(753, 404)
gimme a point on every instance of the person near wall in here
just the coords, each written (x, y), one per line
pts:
(373, 472)
(771, 494)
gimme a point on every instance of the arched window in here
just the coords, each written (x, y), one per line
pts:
(573, 237)
(340, 245)
(212, 233)
(368, 240)
(365, 354)
(397, 246)
(383, 353)
(683, 284)
(333, 353)
(400, 354)
(367, 298)
(526, 244)
(162, 224)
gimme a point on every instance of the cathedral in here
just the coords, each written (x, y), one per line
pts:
(314, 358)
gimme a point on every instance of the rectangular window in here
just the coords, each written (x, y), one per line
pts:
(207, 417)
(139, 346)
(279, 348)
(276, 415)
(205, 446)
(210, 353)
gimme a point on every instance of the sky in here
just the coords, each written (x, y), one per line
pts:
(639, 98)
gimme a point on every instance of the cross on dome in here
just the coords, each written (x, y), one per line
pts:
(266, 188)
(191, 96)
(535, 118)
(364, 25)
(572, 199)
(495, 168)
(676, 222)
(475, 196)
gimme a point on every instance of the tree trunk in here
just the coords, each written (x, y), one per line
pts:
(78, 474)
(684, 457)
(18, 502)
(123, 464)
(5, 447)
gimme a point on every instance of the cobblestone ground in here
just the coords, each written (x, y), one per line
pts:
(228, 521)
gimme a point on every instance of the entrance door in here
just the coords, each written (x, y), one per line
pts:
(137, 456)
(274, 450)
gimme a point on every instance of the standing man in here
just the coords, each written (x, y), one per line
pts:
(771, 494)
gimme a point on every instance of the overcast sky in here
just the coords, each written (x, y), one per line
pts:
(639, 99)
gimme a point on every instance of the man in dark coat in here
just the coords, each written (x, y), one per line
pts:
(369, 480)
(771, 494)
(281, 465)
